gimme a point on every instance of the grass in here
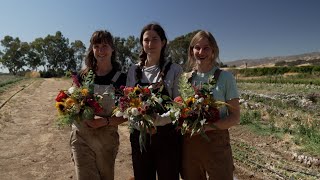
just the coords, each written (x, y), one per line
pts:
(7, 80)
(278, 79)
(306, 134)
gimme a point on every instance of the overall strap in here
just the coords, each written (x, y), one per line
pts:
(116, 76)
(166, 69)
(217, 74)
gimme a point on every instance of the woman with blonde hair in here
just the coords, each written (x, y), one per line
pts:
(202, 158)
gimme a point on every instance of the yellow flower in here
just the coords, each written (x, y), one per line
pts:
(137, 90)
(85, 92)
(69, 102)
(135, 102)
(190, 101)
(61, 107)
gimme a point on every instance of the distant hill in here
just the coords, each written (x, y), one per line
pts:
(312, 58)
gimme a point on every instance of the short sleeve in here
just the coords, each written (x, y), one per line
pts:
(131, 76)
(231, 86)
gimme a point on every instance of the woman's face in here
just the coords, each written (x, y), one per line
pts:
(102, 51)
(202, 52)
(152, 43)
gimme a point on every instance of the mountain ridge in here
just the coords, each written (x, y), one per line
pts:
(299, 59)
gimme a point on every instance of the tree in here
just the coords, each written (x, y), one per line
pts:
(14, 54)
(57, 51)
(123, 52)
(134, 47)
(79, 50)
(38, 54)
(178, 48)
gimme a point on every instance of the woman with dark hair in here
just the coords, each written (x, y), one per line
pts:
(161, 157)
(95, 143)
(202, 158)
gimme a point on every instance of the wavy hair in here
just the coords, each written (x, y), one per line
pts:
(98, 37)
(191, 65)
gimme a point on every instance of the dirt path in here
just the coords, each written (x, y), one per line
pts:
(32, 147)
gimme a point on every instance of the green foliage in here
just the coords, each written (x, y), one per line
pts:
(265, 71)
(14, 53)
(178, 48)
(250, 117)
(52, 52)
(186, 90)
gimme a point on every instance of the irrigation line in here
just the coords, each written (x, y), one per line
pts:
(5, 102)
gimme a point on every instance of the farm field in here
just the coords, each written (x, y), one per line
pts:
(278, 137)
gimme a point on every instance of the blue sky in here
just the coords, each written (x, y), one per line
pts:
(243, 28)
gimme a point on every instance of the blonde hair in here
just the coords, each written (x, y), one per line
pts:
(191, 64)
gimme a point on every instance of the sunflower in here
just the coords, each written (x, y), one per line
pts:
(61, 107)
(137, 90)
(69, 102)
(190, 101)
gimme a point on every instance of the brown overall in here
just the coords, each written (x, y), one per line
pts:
(202, 157)
(94, 150)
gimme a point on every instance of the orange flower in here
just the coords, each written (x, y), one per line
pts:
(70, 102)
(185, 112)
(179, 100)
(84, 92)
(127, 90)
(135, 102)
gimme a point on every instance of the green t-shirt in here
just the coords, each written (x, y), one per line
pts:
(226, 87)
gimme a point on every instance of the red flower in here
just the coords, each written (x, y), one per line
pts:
(146, 91)
(185, 112)
(95, 105)
(61, 96)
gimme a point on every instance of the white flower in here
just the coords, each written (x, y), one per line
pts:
(125, 116)
(202, 122)
(134, 112)
(196, 96)
(119, 114)
(177, 114)
(167, 114)
(71, 90)
(201, 100)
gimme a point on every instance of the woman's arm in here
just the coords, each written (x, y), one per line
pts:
(231, 120)
(108, 121)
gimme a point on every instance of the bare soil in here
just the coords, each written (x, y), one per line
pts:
(32, 147)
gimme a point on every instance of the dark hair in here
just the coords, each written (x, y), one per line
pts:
(98, 37)
(212, 43)
(143, 55)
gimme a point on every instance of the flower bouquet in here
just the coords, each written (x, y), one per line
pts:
(78, 102)
(196, 106)
(141, 106)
